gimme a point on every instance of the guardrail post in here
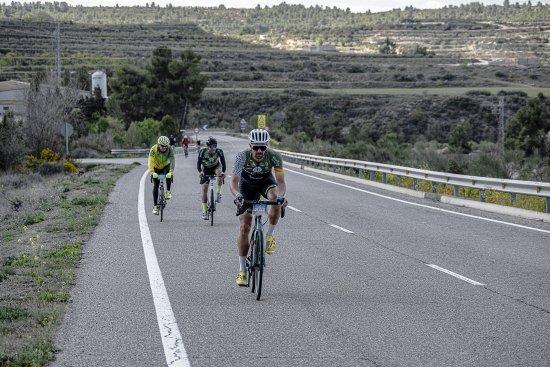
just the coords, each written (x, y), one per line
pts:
(398, 179)
(372, 176)
(415, 183)
(513, 198)
(456, 190)
(384, 177)
(548, 204)
(482, 195)
(434, 187)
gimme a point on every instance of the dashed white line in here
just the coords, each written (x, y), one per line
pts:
(341, 228)
(421, 205)
(174, 350)
(461, 277)
(293, 209)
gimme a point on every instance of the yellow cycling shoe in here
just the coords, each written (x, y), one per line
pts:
(270, 245)
(168, 195)
(242, 279)
(156, 209)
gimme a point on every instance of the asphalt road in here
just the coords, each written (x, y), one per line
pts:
(379, 296)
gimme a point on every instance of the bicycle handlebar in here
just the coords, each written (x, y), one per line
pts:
(267, 203)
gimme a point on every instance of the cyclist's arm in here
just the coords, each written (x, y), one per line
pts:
(150, 161)
(234, 185)
(199, 162)
(237, 169)
(222, 160)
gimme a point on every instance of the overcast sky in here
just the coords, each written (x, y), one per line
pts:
(354, 5)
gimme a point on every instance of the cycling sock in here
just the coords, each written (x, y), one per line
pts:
(204, 207)
(270, 229)
(242, 263)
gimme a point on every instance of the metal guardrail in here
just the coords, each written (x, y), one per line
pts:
(457, 181)
(145, 151)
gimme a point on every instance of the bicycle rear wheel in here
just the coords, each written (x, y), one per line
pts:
(161, 209)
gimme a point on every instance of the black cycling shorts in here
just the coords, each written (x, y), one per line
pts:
(251, 190)
(208, 172)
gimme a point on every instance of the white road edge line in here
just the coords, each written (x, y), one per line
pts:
(294, 209)
(341, 228)
(174, 350)
(421, 205)
(461, 277)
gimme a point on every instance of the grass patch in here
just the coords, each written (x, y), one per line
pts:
(22, 260)
(36, 354)
(8, 313)
(88, 200)
(34, 218)
(53, 296)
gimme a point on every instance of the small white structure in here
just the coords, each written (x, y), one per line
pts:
(99, 80)
(13, 95)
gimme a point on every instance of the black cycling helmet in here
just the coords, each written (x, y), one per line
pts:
(212, 143)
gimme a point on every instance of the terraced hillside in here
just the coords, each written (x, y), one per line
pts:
(27, 48)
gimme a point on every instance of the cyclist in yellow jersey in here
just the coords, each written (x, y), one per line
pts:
(253, 175)
(161, 161)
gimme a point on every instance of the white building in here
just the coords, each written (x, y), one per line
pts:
(13, 94)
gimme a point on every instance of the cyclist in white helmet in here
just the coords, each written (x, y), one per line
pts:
(257, 171)
(161, 161)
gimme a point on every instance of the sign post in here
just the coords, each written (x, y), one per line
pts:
(66, 130)
(243, 125)
(262, 120)
(196, 134)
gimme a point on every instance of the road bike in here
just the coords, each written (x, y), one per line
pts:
(255, 261)
(161, 198)
(211, 199)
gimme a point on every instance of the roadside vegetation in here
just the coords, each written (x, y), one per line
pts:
(45, 220)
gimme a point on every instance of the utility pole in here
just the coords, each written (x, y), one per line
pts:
(501, 123)
(57, 35)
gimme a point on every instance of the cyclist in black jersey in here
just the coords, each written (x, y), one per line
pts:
(208, 164)
(258, 171)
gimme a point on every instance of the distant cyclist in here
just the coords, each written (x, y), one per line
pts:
(173, 140)
(161, 162)
(208, 164)
(253, 176)
(185, 144)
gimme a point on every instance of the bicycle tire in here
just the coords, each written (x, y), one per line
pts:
(212, 207)
(161, 203)
(260, 264)
(253, 261)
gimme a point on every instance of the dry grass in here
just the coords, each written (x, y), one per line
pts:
(45, 222)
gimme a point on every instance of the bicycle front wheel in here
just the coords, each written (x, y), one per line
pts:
(212, 207)
(161, 210)
(259, 268)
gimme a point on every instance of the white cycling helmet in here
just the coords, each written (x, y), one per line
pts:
(163, 140)
(258, 137)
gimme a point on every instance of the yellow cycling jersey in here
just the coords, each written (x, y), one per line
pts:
(158, 160)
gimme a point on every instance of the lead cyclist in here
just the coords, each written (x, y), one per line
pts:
(258, 171)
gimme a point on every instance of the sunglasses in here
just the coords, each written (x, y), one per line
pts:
(163, 146)
(261, 148)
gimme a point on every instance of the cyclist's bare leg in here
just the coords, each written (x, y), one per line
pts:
(274, 210)
(244, 233)
(205, 192)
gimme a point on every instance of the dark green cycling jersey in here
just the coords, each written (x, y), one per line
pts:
(250, 169)
(209, 159)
